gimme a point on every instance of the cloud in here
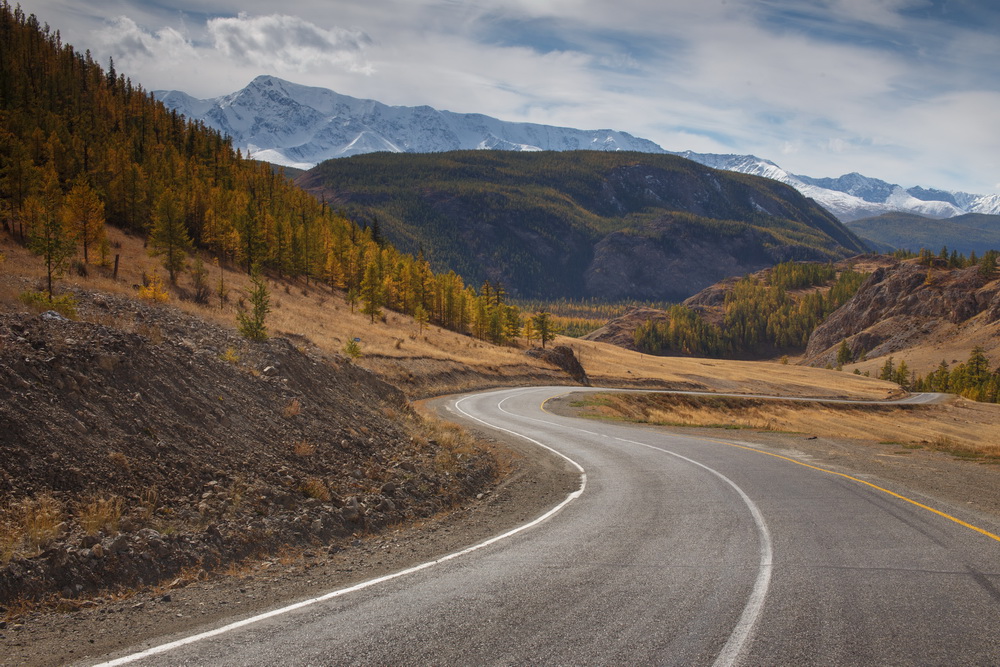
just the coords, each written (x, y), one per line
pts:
(288, 43)
(124, 39)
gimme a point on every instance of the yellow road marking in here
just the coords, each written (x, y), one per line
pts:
(839, 474)
(861, 481)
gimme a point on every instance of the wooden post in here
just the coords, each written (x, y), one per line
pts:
(114, 276)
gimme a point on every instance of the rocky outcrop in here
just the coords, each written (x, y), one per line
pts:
(562, 357)
(898, 305)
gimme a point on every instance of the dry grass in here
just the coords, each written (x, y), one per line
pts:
(960, 427)
(29, 525)
(292, 409)
(303, 448)
(100, 514)
(314, 487)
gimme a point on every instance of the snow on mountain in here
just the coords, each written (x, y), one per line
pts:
(854, 196)
(986, 204)
(301, 126)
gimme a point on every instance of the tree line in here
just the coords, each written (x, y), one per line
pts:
(971, 379)
(759, 316)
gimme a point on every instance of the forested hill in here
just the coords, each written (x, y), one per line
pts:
(82, 148)
(581, 224)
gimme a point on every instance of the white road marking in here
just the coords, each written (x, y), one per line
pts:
(163, 648)
(737, 642)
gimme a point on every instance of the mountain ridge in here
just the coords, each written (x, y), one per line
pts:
(606, 225)
(299, 126)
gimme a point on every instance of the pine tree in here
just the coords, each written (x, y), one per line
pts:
(844, 354)
(252, 325)
(169, 237)
(544, 327)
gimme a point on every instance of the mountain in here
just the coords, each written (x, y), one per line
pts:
(580, 224)
(855, 196)
(968, 233)
(300, 126)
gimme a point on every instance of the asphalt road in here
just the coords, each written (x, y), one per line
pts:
(676, 551)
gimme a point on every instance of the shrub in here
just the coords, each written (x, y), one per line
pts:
(64, 304)
(314, 487)
(352, 349)
(153, 290)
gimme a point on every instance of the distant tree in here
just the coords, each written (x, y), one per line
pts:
(84, 214)
(420, 315)
(988, 265)
(901, 375)
(888, 370)
(544, 327)
(844, 354)
(372, 294)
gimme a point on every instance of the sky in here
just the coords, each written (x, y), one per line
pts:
(903, 90)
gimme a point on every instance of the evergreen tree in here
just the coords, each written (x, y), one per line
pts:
(169, 238)
(544, 327)
(252, 325)
(844, 354)
(48, 234)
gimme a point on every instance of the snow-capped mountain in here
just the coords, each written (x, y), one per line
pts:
(854, 196)
(300, 126)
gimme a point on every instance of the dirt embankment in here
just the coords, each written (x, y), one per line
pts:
(146, 445)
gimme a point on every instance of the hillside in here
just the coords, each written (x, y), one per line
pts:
(915, 313)
(153, 443)
(969, 233)
(762, 315)
(580, 224)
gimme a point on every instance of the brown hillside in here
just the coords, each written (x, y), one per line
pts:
(901, 311)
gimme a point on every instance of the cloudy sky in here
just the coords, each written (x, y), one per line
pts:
(903, 90)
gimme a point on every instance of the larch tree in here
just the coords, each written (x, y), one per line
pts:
(83, 212)
(169, 237)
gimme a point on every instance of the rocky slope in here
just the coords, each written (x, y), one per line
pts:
(152, 446)
(900, 308)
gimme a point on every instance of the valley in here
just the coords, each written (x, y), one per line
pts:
(227, 387)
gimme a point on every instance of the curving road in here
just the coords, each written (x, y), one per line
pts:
(675, 551)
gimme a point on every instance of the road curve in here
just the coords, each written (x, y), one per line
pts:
(677, 551)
